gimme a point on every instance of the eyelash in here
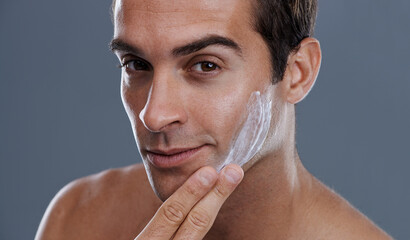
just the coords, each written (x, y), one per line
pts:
(125, 63)
(213, 65)
(146, 66)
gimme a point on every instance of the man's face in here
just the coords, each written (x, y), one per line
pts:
(190, 68)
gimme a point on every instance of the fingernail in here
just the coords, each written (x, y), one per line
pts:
(233, 175)
(205, 177)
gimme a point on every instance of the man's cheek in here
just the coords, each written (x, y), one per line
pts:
(224, 124)
(254, 126)
(132, 105)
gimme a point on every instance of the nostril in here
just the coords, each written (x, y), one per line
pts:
(162, 119)
(148, 123)
(164, 109)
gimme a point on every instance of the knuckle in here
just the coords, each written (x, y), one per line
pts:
(220, 191)
(174, 213)
(199, 219)
(193, 190)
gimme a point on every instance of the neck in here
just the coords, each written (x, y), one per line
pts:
(266, 202)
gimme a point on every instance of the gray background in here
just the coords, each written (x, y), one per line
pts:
(61, 115)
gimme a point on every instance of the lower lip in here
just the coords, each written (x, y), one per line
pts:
(174, 160)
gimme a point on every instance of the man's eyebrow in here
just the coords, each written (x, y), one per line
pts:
(119, 45)
(205, 42)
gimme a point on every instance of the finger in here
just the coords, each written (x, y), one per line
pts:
(203, 214)
(173, 211)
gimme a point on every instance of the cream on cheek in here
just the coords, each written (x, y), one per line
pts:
(254, 130)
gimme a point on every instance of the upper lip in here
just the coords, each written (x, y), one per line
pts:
(171, 151)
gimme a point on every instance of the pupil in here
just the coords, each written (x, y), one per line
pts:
(208, 66)
(137, 65)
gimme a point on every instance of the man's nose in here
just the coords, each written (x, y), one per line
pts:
(163, 109)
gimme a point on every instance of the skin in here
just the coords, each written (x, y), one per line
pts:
(273, 196)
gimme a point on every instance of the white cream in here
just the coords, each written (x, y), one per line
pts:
(254, 130)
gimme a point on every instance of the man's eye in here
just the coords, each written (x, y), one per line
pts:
(136, 65)
(205, 67)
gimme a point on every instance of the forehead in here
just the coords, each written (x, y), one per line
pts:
(159, 22)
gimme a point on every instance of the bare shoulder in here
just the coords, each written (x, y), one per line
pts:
(338, 219)
(115, 203)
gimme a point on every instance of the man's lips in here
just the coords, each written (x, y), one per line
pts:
(172, 157)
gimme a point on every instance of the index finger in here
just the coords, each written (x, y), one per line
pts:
(173, 211)
(202, 216)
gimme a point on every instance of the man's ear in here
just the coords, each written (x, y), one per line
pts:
(302, 70)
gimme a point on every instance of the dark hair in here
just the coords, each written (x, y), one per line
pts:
(283, 24)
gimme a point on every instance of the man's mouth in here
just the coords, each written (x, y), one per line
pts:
(168, 158)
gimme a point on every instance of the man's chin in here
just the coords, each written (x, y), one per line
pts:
(166, 184)
(165, 181)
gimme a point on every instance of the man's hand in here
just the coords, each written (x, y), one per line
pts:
(190, 212)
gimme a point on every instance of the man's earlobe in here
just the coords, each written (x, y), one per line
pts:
(302, 70)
